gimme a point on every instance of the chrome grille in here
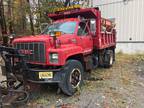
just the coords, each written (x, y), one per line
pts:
(36, 49)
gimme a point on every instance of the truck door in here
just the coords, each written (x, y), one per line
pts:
(84, 37)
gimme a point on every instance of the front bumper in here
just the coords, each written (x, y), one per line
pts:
(33, 76)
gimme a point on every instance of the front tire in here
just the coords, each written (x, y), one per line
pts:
(73, 77)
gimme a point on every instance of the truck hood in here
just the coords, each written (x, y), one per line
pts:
(36, 38)
(63, 39)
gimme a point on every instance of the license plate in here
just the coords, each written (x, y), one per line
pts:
(45, 75)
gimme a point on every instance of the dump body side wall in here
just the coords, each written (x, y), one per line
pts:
(105, 39)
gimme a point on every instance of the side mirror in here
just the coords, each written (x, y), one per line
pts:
(93, 22)
(93, 26)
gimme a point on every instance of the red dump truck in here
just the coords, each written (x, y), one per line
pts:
(76, 41)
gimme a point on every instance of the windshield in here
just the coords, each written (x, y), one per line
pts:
(64, 27)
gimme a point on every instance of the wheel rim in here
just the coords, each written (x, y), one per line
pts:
(75, 78)
(111, 60)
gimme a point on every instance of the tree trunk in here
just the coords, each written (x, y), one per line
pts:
(23, 15)
(3, 25)
(2, 19)
(67, 3)
(39, 10)
(10, 17)
(31, 19)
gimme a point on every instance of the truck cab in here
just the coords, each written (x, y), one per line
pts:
(72, 44)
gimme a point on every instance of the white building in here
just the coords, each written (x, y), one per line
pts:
(129, 18)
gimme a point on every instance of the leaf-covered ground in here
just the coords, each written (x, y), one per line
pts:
(121, 86)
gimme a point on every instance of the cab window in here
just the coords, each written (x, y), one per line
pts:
(82, 29)
(64, 27)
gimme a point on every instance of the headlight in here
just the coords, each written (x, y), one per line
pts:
(53, 58)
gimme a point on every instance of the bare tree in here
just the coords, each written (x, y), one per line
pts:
(23, 15)
(31, 19)
(10, 20)
(67, 3)
(3, 24)
(2, 19)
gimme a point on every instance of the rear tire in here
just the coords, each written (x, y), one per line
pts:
(108, 58)
(73, 77)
